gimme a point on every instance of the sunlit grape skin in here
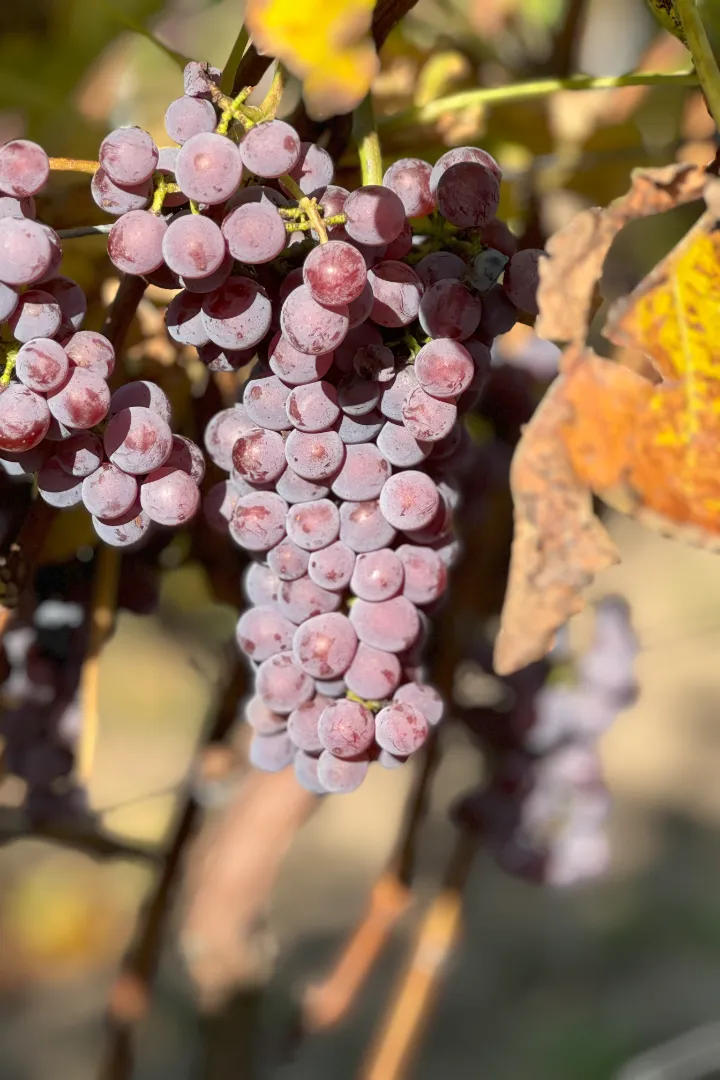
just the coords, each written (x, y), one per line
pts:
(335, 273)
(24, 418)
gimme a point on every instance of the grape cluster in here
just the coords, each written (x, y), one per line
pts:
(54, 392)
(544, 810)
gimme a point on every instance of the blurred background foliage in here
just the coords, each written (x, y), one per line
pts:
(544, 986)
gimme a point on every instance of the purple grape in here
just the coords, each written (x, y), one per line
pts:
(294, 367)
(397, 392)
(166, 167)
(373, 674)
(198, 79)
(108, 492)
(24, 168)
(428, 419)
(265, 400)
(356, 396)
(258, 521)
(70, 297)
(217, 359)
(306, 772)
(80, 455)
(270, 149)
(262, 720)
(36, 315)
(363, 474)
(324, 645)
(357, 338)
(499, 315)
(312, 407)
(208, 168)
(218, 505)
(260, 585)
(258, 456)
(271, 753)
(282, 685)
(193, 246)
(360, 429)
(256, 193)
(313, 525)
(346, 728)
(313, 170)
(288, 561)
(8, 301)
(375, 214)
(468, 195)
(522, 277)
(302, 599)
(378, 575)
(296, 489)
(397, 292)
(254, 233)
(409, 178)
(338, 776)
(128, 155)
(332, 202)
(496, 234)
(188, 116)
(135, 242)
(25, 251)
(184, 320)
(359, 309)
(463, 154)
(424, 698)
(316, 456)
(401, 728)
(141, 392)
(310, 327)
(92, 351)
(391, 625)
(302, 724)
(332, 567)
(363, 526)
(401, 245)
(449, 310)
(82, 401)
(425, 574)
(138, 440)
(238, 315)
(443, 368)
(58, 489)
(263, 632)
(440, 266)
(335, 273)
(126, 530)
(400, 448)
(115, 199)
(169, 496)
(42, 365)
(17, 208)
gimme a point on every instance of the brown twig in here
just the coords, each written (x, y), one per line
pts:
(387, 14)
(399, 1036)
(251, 69)
(122, 310)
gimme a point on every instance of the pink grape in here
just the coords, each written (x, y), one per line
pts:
(399, 447)
(409, 500)
(311, 327)
(24, 418)
(313, 525)
(295, 489)
(378, 575)
(138, 440)
(302, 599)
(266, 401)
(187, 116)
(290, 282)
(217, 359)
(8, 301)
(391, 625)
(37, 314)
(302, 724)
(70, 297)
(223, 431)
(91, 350)
(260, 585)
(443, 368)
(259, 456)
(463, 154)
(425, 699)
(346, 728)
(82, 401)
(198, 79)
(184, 320)
(193, 245)
(238, 315)
(17, 208)
(271, 753)
(208, 168)
(397, 392)
(331, 203)
(425, 574)
(437, 529)
(331, 688)
(357, 397)
(126, 530)
(335, 273)
(24, 168)
(338, 776)
(363, 474)
(262, 720)
(80, 455)
(468, 195)
(258, 521)
(313, 170)
(522, 277)
(42, 365)
(397, 293)
(169, 496)
(324, 645)
(360, 429)
(263, 632)
(210, 282)
(373, 674)
(306, 772)
(288, 561)
(409, 178)
(255, 232)
(143, 393)
(401, 245)
(496, 234)
(332, 566)
(294, 367)
(357, 338)
(401, 728)
(375, 214)
(135, 242)
(316, 456)
(56, 488)
(440, 266)
(449, 310)
(282, 685)
(108, 492)
(363, 526)
(270, 149)
(128, 155)
(116, 199)
(428, 419)
(312, 407)
(360, 308)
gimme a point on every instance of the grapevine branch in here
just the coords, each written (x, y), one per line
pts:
(368, 144)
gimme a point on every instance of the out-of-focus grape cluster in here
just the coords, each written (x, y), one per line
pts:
(544, 809)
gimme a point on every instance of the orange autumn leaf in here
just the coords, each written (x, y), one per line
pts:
(647, 449)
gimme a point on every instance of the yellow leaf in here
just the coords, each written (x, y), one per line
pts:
(326, 44)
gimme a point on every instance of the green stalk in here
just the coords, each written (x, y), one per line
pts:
(227, 79)
(702, 54)
(368, 143)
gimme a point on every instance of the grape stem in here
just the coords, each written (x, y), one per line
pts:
(66, 164)
(233, 110)
(368, 143)
(83, 230)
(10, 358)
(271, 102)
(499, 95)
(702, 54)
(309, 206)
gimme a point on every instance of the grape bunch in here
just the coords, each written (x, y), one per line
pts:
(115, 453)
(544, 810)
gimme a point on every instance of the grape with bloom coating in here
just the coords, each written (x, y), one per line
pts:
(397, 392)
(314, 456)
(522, 277)
(409, 178)
(36, 314)
(428, 419)
(57, 488)
(373, 674)
(70, 297)
(260, 585)
(363, 526)
(360, 429)
(324, 645)
(258, 521)
(263, 632)
(270, 149)
(193, 246)
(313, 525)
(390, 625)
(42, 364)
(138, 440)
(143, 393)
(378, 575)
(306, 772)
(294, 367)
(188, 116)
(400, 728)
(357, 397)
(288, 561)
(259, 456)
(255, 232)
(8, 301)
(375, 214)
(346, 728)
(363, 473)
(135, 242)
(262, 720)
(271, 753)
(468, 195)
(302, 724)
(339, 776)
(313, 406)
(81, 454)
(311, 327)
(461, 154)
(126, 530)
(238, 314)
(169, 496)
(184, 320)
(265, 400)
(424, 698)
(115, 199)
(218, 505)
(312, 172)
(332, 566)
(282, 685)
(397, 294)
(449, 310)
(82, 401)
(400, 448)
(410, 500)
(335, 273)
(440, 266)
(24, 168)
(128, 155)
(296, 489)
(302, 599)
(425, 576)
(443, 368)
(25, 252)
(109, 492)
(208, 168)
(223, 431)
